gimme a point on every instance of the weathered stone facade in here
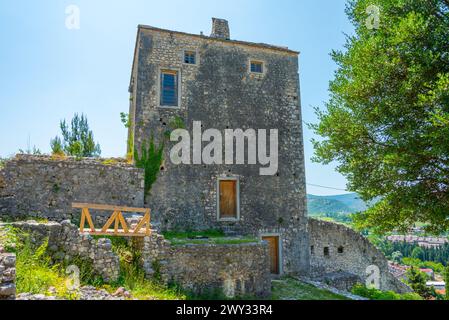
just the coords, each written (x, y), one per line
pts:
(235, 269)
(7, 275)
(221, 92)
(338, 249)
(66, 244)
(41, 186)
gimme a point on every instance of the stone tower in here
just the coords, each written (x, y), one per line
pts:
(178, 78)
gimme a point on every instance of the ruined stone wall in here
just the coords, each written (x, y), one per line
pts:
(41, 186)
(336, 248)
(220, 92)
(7, 275)
(66, 244)
(235, 269)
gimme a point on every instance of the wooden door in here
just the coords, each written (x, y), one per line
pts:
(273, 249)
(228, 199)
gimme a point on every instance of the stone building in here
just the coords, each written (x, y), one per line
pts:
(179, 78)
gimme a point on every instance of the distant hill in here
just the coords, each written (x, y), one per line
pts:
(342, 203)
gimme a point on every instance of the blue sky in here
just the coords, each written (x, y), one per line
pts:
(48, 72)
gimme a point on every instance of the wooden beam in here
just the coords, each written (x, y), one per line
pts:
(109, 222)
(89, 219)
(93, 206)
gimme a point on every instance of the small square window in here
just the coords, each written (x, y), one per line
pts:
(326, 251)
(189, 57)
(256, 66)
(340, 249)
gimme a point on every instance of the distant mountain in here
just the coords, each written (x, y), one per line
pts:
(342, 203)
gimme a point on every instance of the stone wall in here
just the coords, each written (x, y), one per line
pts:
(222, 93)
(66, 244)
(41, 186)
(235, 269)
(7, 275)
(338, 249)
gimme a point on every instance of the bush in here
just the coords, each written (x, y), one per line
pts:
(375, 294)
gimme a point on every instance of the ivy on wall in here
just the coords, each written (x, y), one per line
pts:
(150, 159)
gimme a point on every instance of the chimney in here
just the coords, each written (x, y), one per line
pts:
(220, 29)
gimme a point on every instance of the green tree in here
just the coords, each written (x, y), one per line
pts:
(446, 280)
(387, 120)
(396, 257)
(418, 253)
(78, 140)
(417, 281)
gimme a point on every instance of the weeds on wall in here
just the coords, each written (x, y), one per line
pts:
(150, 159)
(124, 118)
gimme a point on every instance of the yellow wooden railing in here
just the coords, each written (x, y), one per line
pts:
(142, 229)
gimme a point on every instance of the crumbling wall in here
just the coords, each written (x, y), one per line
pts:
(7, 275)
(336, 248)
(66, 244)
(235, 269)
(42, 186)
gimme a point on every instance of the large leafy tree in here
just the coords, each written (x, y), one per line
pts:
(387, 120)
(78, 139)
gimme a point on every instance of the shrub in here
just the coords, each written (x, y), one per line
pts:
(375, 294)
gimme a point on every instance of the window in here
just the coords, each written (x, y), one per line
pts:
(256, 66)
(228, 206)
(189, 57)
(169, 88)
(340, 249)
(312, 250)
(326, 251)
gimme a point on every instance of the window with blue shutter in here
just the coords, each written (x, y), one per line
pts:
(169, 88)
(189, 57)
(256, 67)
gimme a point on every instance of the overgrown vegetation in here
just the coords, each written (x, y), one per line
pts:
(375, 294)
(213, 236)
(150, 159)
(78, 140)
(125, 119)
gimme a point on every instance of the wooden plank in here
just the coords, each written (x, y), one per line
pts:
(140, 224)
(119, 233)
(116, 223)
(109, 222)
(89, 219)
(94, 206)
(123, 222)
(148, 225)
(83, 221)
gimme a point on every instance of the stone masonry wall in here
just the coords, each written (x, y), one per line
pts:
(41, 186)
(66, 244)
(338, 249)
(236, 269)
(7, 275)
(222, 93)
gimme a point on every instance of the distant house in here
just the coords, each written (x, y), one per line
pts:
(428, 271)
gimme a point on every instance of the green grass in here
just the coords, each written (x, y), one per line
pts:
(292, 289)
(35, 274)
(213, 236)
(132, 276)
(212, 233)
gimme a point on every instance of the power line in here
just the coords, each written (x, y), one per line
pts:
(325, 187)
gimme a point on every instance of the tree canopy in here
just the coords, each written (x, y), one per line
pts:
(78, 140)
(387, 119)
